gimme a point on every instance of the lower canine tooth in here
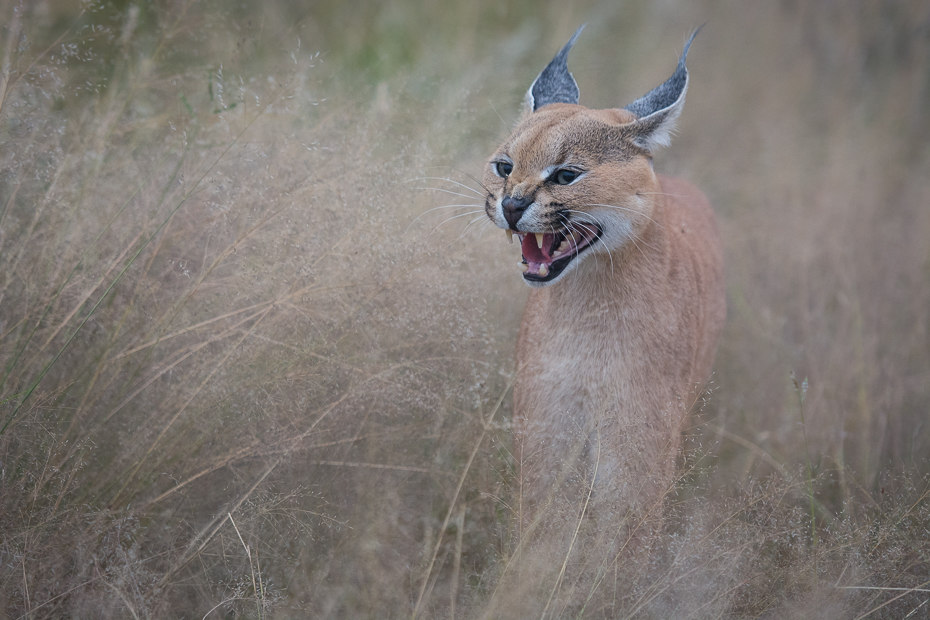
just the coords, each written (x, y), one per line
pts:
(524, 267)
(543, 271)
(539, 239)
(509, 235)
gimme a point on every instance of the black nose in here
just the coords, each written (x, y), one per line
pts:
(514, 207)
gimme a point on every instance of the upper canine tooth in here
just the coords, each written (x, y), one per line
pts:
(539, 239)
(509, 235)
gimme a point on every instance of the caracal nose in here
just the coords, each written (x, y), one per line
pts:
(514, 207)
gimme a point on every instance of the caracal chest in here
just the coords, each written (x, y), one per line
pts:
(576, 360)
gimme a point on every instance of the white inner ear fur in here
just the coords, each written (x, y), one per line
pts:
(529, 101)
(666, 119)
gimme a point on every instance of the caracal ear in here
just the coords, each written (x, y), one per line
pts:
(658, 110)
(555, 84)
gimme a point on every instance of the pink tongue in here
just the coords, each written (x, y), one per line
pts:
(532, 252)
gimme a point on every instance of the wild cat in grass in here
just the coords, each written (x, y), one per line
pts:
(621, 328)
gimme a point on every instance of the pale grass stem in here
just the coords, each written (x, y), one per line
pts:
(445, 522)
(891, 600)
(558, 582)
(457, 559)
(259, 589)
(801, 391)
(45, 370)
(122, 597)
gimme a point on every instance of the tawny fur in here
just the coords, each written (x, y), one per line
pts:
(611, 356)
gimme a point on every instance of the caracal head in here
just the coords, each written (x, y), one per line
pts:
(573, 182)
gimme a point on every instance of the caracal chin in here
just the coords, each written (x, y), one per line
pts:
(620, 330)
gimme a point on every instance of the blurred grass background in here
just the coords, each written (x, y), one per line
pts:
(245, 372)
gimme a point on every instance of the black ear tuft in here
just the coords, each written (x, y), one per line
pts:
(658, 110)
(555, 84)
(667, 94)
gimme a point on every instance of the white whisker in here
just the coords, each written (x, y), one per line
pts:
(471, 189)
(573, 228)
(455, 217)
(583, 224)
(470, 176)
(448, 191)
(633, 237)
(600, 224)
(610, 254)
(440, 207)
(469, 225)
(595, 204)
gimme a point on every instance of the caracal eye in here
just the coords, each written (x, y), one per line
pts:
(564, 176)
(503, 168)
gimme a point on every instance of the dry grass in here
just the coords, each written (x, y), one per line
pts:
(245, 372)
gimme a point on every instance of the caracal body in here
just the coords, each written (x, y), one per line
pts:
(620, 332)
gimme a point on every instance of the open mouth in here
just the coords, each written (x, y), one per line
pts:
(546, 255)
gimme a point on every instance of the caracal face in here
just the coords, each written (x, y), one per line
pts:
(573, 183)
(570, 183)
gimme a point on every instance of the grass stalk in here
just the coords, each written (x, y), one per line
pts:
(801, 391)
(458, 489)
(457, 559)
(558, 582)
(258, 589)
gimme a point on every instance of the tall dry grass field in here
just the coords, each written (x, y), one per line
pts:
(256, 335)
